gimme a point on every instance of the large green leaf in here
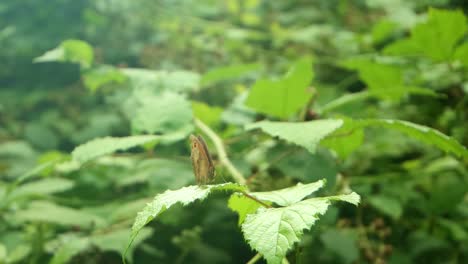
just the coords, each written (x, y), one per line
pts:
(71, 50)
(291, 195)
(243, 206)
(185, 196)
(304, 134)
(273, 231)
(383, 80)
(107, 145)
(424, 134)
(286, 96)
(340, 141)
(436, 38)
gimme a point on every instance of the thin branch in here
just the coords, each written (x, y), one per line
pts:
(254, 259)
(223, 158)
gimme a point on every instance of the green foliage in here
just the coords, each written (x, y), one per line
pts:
(102, 146)
(75, 51)
(273, 231)
(384, 81)
(306, 134)
(270, 231)
(379, 111)
(435, 39)
(228, 72)
(285, 96)
(185, 196)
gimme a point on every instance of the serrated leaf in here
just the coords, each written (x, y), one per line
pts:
(286, 96)
(291, 195)
(274, 231)
(243, 206)
(424, 134)
(185, 196)
(434, 38)
(228, 72)
(304, 134)
(107, 145)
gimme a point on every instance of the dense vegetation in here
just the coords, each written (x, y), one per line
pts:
(337, 130)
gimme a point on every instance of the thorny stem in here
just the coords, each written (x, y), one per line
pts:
(223, 158)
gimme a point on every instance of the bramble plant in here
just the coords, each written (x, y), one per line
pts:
(299, 108)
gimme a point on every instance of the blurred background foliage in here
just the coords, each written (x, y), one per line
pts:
(75, 70)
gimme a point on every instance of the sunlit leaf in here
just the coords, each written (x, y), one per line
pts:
(304, 134)
(286, 96)
(274, 231)
(291, 195)
(102, 146)
(435, 38)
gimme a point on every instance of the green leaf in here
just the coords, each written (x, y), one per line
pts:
(175, 81)
(166, 113)
(343, 243)
(102, 75)
(114, 240)
(210, 115)
(41, 187)
(273, 231)
(52, 213)
(117, 240)
(291, 195)
(344, 140)
(384, 81)
(76, 51)
(69, 249)
(304, 134)
(228, 72)
(107, 145)
(424, 134)
(387, 205)
(242, 205)
(435, 38)
(185, 196)
(461, 54)
(283, 97)
(382, 30)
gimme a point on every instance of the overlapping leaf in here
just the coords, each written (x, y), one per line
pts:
(304, 134)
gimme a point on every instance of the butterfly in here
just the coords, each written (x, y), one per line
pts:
(202, 163)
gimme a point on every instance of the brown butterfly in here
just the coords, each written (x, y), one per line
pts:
(202, 163)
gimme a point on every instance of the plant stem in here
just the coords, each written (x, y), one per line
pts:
(223, 158)
(254, 259)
